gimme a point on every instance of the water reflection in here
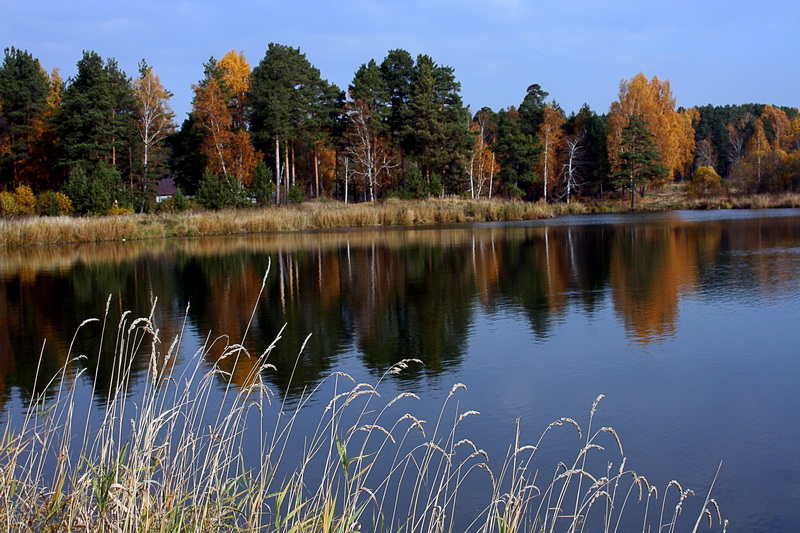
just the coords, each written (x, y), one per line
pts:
(384, 295)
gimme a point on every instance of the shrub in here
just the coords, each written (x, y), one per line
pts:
(26, 201)
(8, 205)
(296, 194)
(175, 203)
(263, 188)
(414, 184)
(180, 202)
(47, 204)
(64, 204)
(117, 209)
(435, 187)
(704, 182)
(77, 189)
(96, 193)
(217, 192)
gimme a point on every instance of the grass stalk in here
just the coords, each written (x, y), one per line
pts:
(170, 454)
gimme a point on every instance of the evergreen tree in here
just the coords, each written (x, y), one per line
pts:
(24, 89)
(398, 71)
(531, 110)
(187, 161)
(95, 121)
(281, 95)
(640, 161)
(97, 191)
(263, 188)
(517, 154)
(437, 130)
(370, 86)
(220, 192)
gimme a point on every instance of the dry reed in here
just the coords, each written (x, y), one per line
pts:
(174, 459)
(301, 217)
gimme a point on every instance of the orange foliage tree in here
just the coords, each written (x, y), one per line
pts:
(652, 101)
(228, 152)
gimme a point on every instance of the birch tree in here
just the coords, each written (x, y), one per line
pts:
(549, 140)
(573, 166)
(366, 146)
(155, 119)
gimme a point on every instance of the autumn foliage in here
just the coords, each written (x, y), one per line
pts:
(401, 129)
(653, 102)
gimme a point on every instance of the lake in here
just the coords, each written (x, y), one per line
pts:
(687, 322)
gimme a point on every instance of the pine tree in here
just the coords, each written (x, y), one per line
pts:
(24, 89)
(287, 97)
(95, 121)
(639, 159)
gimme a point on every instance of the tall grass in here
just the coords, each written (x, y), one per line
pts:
(308, 216)
(179, 457)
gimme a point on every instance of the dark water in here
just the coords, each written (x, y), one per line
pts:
(688, 323)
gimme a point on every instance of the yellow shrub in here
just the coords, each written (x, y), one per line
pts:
(705, 181)
(26, 201)
(64, 203)
(8, 205)
(119, 210)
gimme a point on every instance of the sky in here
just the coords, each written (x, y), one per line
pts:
(712, 51)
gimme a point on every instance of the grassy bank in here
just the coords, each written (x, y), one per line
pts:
(180, 457)
(307, 216)
(35, 231)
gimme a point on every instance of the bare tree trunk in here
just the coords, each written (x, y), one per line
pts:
(472, 176)
(288, 173)
(316, 172)
(294, 168)
(346, 176)
(491, 177)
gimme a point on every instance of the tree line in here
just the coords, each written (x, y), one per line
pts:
(279, 132)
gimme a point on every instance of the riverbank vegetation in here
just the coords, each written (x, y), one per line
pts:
(176, 446)
(309, 216)
(279, 133)
(298, 217)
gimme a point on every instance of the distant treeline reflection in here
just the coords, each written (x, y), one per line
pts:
(384, 295)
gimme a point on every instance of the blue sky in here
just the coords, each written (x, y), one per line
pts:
(712, 51)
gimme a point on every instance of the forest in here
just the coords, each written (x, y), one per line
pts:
(102, 141)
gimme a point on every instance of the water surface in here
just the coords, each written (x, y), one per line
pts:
(686, 321)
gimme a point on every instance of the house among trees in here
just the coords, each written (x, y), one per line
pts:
(166, 188)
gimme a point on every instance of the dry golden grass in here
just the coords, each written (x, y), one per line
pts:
(307, 216)
(329, 215)
(174, 459)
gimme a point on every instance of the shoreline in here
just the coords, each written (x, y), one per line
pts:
(309, 216)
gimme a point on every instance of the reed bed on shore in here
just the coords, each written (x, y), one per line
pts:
(300, 217)
(748, 201)
(34, 231)
(194, 452)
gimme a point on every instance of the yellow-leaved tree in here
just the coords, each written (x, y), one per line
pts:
(653, 102)
(236, 76)
(781, 127)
